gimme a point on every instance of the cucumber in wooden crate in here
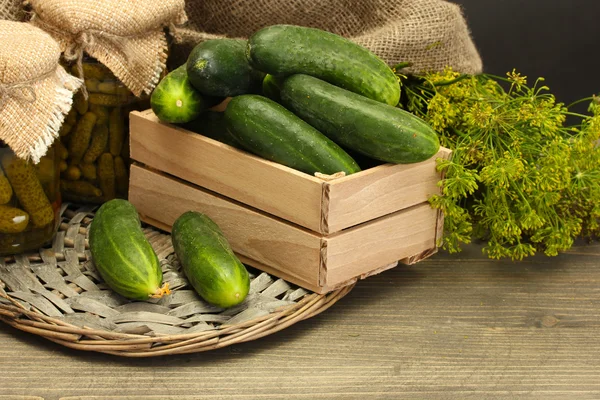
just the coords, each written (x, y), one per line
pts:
(212, 124)
(219, 67)
(377, 130)
(175, 100)
(267, 129)
(283, 50)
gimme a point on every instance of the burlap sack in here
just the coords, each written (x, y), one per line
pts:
(430, 34)
(126, 36)
(11, 10)
(35, 91)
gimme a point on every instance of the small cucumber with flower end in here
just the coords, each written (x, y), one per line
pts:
(123, 256)
(208, 261)
(174, 100)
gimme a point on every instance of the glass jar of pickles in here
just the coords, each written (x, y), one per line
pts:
(30, 201)
(94, 139)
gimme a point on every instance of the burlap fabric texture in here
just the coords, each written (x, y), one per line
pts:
(11, 10)
(430, 34)
(35, 91)
(126, 36)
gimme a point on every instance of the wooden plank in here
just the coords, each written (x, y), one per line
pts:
(268, 186)
(292, 277)
(250, 233)
(376, 244)
(380, 191)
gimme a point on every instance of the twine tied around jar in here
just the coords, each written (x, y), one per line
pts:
(22, 92)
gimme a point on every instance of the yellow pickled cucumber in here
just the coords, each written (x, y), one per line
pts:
(13, 220)
(71, 118)
(113, 87)
(80, 188)
(98, 144)
(121, 177)
(108, 100)
(101, 112)
(88, 171)
(122, 91)
(80, 103)
(45, 170)
(92, 84)
(96, 71)
(62, 166)
(65, 129)
(28, 190)
(61, 150)
(81, 137)
(73, 173)
(108, 87)
(116, 128)
(106, 175)
(5, 189)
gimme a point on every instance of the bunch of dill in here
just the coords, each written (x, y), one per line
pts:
(519, 179)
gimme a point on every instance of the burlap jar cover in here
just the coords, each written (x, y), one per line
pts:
(429, 34)
(11, 10)
(35, 91)
(125, 36)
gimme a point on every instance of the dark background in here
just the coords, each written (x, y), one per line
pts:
(556, 39)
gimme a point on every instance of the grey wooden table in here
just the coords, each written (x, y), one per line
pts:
(451, 327)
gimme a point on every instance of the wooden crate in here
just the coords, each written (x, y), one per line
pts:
(320, 234)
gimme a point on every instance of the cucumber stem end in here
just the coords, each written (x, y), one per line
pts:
(160, 292)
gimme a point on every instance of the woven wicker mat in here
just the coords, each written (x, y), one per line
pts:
(57, 293)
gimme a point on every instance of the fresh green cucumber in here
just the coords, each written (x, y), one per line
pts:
(218, 67)
(267, 129)
(210, 265)
(284, 50)
(175, 100)
(271, 87)
(377, 130)
(123, 256)
(212, 124)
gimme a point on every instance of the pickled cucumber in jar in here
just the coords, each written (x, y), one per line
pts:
(29, 201)
(95, 144)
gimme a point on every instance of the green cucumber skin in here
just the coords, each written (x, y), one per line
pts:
(122, 255)
(267, 129)
(212, 124)
(377, 130)
(271, 87)
(283, 50)
(210, 265)
(219, 67)
(174, 88)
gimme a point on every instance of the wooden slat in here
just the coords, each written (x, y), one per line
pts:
(380, 191)
(292, 277)
(250, 233)
(370, 246)
(262, 184)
